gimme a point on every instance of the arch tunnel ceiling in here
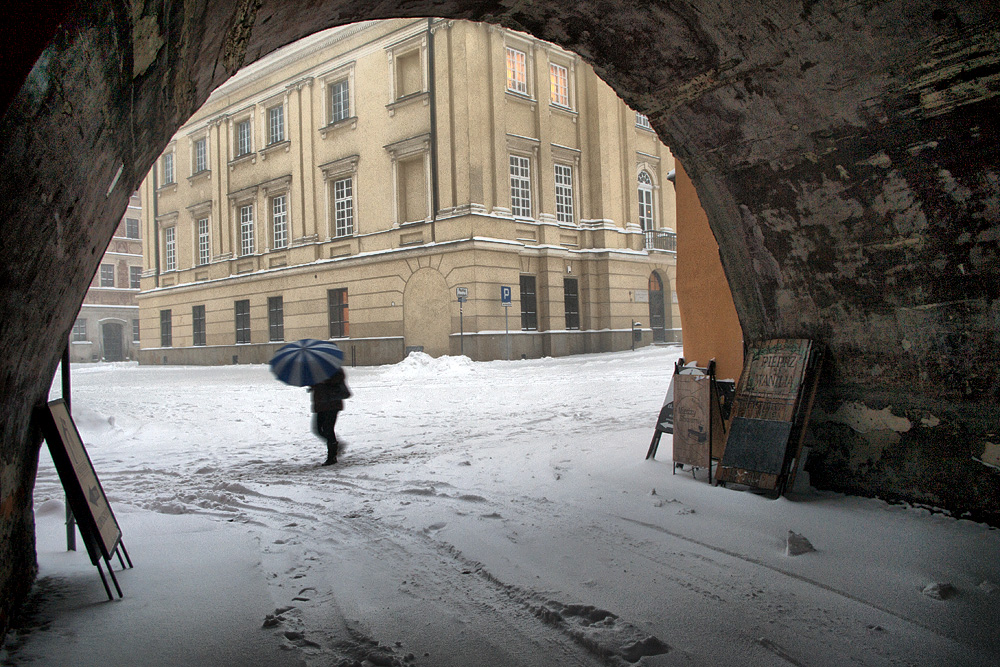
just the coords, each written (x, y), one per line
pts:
(845, 154)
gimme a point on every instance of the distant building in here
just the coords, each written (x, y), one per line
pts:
(107, 327)
(345, 188)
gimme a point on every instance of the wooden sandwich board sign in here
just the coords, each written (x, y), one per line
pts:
(770, 411)
(84, 492)
(692, 413)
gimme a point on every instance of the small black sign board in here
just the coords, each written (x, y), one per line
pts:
(84, 492)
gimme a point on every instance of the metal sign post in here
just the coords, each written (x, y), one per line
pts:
(70, 521)
(505, 302)
(462, 293)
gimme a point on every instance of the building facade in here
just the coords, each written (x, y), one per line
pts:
(107, 327)
(352, 185)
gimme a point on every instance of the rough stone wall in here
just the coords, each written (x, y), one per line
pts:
(844, 153)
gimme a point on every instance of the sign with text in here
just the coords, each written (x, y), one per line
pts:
(462, 293)
(770, 412)
(504, 295)
(84, 493)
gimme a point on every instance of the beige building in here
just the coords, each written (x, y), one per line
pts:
(107, 327)
(352, 185)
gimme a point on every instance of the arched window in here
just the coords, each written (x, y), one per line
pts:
(645, 201)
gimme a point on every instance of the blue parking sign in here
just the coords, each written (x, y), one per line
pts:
(504, 295)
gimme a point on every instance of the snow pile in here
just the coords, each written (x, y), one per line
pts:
(495, 513)
(422, 366)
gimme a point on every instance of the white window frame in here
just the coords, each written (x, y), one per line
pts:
(170, 248)
(520, 185)
(516, 67)
(647, 208)
(344, 169)
(245, 213)
(134, 276)
(203, 230)
(642, 120)
(275, 124)
(342, 194)
(243, 143)
(343, 85)
(199, 158)
(80, 330)
(169, 171)
(559, 98)
(279, 221)
(563, 174)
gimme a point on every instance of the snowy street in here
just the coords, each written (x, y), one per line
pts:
(496, 513)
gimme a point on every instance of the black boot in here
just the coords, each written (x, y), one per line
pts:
(331, 453)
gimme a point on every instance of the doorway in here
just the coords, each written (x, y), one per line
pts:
(657, 310)
(111, 333)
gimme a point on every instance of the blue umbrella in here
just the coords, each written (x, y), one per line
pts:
(307, 362)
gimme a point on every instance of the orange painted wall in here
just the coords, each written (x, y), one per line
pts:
(709, 325)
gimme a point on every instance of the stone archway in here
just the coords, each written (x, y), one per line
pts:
(427, 312)
(843, 155)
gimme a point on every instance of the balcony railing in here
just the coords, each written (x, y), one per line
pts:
(661, 239)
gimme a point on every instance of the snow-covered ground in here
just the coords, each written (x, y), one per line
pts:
(494, 513)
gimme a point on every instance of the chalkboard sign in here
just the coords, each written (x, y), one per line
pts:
(84, 492)
(770, 410)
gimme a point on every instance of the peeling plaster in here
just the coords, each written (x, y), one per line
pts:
(990, 455)
(146, 43)
(865, 420)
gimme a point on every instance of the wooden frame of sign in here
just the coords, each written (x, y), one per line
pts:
(84, 492)
(771, 408)
(699, 432)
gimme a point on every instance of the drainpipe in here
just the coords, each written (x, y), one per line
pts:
(156, 229)
(435, 197)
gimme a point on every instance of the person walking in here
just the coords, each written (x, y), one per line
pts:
(327, 401)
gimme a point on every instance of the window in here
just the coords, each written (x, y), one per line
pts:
(80, 330)
(279, 221)
(642, 121)
(520, 186)
(340, 101)
(200, 155)
(517, 71)
(564, 193)
(529, 316)
(276, 124)
(107, 275)
(135, 331)
(275, 318)
(132, 228)
(559, 85)
(645, 201)
(166, 339)
(134, 277)
(571, 299)
(170, 248)
(242, 308)
(246, 229)
(198, 325)
(243, 145)
(337, 303)
(204, 250)
(168, 169)
(343, 207)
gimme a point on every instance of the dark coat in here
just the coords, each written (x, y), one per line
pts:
(329, 395)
